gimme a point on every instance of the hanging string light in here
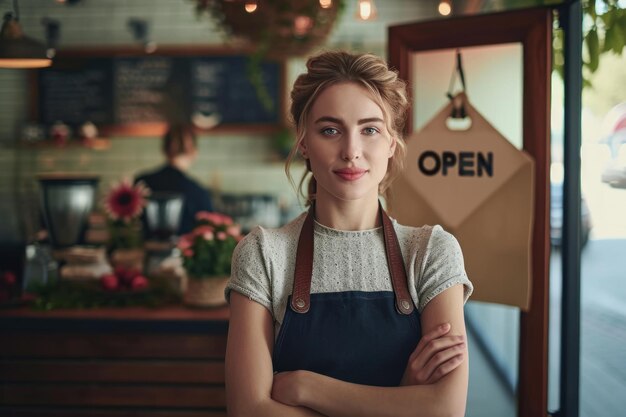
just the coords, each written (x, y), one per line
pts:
(302, 25)
(325, 4)
(251, 6)
(445, 8)
(366, 10)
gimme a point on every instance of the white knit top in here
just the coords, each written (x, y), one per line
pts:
(264, 262)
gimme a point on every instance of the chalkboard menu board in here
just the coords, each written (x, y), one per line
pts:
(119, 91)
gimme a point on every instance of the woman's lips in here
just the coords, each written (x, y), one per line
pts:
(350, 174)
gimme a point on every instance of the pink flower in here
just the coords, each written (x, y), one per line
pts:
(205, 231)
(126, 201)
(216, 219)
(188, 253)
(234, 230)
(221, 235)
(227, 221)
(185, 242)
(203, 215)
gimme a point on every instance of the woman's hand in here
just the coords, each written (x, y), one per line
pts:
(435, 356)
(288, 387)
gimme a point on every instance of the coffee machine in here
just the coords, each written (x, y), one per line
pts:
(162, 220)
(67, 202)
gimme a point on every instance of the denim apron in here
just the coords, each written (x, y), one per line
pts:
(355, 336)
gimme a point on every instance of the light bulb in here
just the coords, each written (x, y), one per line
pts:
(366, 10)
(251, 7)
(444, 8)
(325, 4)
(302, 25)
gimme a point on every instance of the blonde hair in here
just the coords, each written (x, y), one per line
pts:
(366, 70)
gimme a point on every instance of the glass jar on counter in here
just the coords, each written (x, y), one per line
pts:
(40, 268)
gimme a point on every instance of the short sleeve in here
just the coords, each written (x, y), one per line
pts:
(249, 275)
(443, 268)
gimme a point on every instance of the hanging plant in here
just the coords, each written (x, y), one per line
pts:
(280, 28)
(277, 29)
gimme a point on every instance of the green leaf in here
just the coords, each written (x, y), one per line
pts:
(618, 39)
(593, 47)
(607, 44)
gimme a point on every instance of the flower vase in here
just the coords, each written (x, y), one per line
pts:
(205, 291)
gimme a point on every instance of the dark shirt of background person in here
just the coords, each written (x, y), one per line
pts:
(180, 150)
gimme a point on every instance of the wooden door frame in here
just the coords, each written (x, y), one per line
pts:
(533, 29)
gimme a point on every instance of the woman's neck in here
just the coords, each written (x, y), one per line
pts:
(347, 215)
(181, 162)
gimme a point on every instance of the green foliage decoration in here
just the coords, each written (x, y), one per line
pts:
(66, 294)
(604, 31)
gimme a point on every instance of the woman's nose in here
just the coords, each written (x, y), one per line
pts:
(351, 149)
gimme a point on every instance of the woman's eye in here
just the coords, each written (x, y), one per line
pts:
(329, 131)
(370, 131)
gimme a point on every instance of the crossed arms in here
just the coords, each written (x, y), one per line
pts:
(434, 383)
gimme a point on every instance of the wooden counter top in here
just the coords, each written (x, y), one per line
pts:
(175, 318)
(124, 313)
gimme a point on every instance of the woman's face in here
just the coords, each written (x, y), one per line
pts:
(347, 143)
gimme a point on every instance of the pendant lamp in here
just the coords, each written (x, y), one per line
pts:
(18, 50)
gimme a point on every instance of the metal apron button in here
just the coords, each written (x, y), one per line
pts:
(300, 303)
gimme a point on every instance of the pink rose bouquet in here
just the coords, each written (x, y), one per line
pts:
(208, 248)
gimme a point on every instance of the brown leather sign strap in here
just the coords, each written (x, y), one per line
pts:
(404, 303)
(301, 294)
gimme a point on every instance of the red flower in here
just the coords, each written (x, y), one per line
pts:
(126, 201)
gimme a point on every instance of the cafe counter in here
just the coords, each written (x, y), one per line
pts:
(113, 362)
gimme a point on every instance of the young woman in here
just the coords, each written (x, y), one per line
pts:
(344, 312)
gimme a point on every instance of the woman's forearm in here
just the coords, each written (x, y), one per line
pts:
(336, 398)
(271, 408)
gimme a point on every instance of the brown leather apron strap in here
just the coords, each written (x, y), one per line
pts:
(404, 304)
(301, 294)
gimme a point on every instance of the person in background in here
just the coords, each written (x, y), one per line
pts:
(343, 311)
(180, 150)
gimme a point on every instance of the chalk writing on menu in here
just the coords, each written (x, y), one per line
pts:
(131, 90)
(139, 91)
(206, 86)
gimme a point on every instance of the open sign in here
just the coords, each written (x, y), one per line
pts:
(468, 164)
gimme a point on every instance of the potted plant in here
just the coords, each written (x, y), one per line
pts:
(206, 253)
(123, 205)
